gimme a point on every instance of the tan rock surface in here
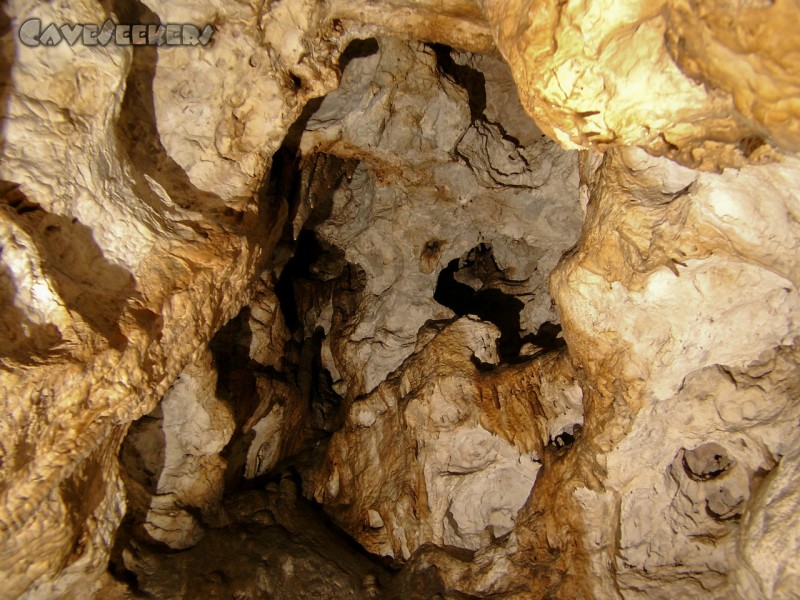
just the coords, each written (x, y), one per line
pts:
(117, 277)
(630, 510)
(653, 456)
(440, 453)
(709, 84)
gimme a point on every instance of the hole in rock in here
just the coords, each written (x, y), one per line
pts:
(240, 457)
(567, 438)
(563, 440)
(358, 49)
(470, 285)
(297, 82)
(307, 251)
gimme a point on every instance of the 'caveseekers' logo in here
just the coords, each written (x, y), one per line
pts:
(32, 34)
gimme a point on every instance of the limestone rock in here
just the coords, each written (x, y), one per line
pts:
(172, 458)
(117, 271)
(427, 131)
(678, 383)
(666, 76)
(441, 453)
(519, 370)
(457, 23)
(216, 107)
(768, 542)
(686, 418)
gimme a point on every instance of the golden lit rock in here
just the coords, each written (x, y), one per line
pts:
(505, 290)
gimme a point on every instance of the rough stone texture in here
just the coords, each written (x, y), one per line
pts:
(630, 510)
(282, 549)
(442, 159)
(269, 377)
(656, 455)
(116, 272)
(440, 453)
(719, 365)
(707, 83)
(281, 422)
(265, 62)
(458, 23)
(768, 541)
(172, 458)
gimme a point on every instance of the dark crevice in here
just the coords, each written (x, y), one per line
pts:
(307, 251)
(358, 49)
(230, 348)
(563, 440)
(297, 82)
(236, 386)
(291, 142)
(309, 274)
(116, 562)
(547, 337)
(472, 80)
(487, 303)
(470, 285)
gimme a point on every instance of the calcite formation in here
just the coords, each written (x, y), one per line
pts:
(172, 458)
(709, 84)
(460, 450)
(433, 138)
(508, 290)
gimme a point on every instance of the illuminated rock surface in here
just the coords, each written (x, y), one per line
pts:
(324, 278)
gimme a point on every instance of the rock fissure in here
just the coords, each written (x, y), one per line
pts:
(402, 300)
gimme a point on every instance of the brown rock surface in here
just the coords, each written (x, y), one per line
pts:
(508, 367)
(707, 83)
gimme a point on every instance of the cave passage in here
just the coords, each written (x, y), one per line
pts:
(489, 304)
(286, 380)
(479, 297)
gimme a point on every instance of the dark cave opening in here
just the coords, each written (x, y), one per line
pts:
(307, 251)
(470, 285)
(564, 440)
(472, 80)
(487, 304)
(307, 274)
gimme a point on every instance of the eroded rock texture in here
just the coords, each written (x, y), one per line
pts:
(331, 255)
(118, 267)
(707, 83)
(432, 138)
(441, 453)
(172, 458)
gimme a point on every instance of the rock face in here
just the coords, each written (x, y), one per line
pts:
(118, 266)
(282, 550)
(330, 254)
(172, 458)
(698, 81)
(441, 453)
(434, 138)
(713, 380)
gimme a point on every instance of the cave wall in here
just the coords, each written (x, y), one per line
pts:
(137, 215)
